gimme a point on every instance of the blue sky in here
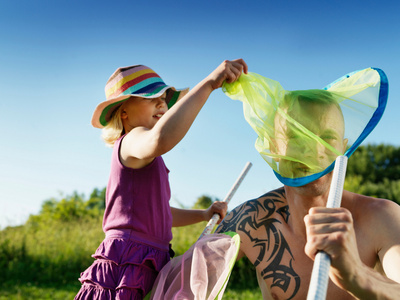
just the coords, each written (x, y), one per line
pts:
(56, 56)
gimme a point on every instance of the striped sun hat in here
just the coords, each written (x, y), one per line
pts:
(138, 81)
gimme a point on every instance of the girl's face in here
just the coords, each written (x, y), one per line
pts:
(143, 112)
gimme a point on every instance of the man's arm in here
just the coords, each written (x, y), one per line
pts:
(258, 223)
(231, 222)
(332, 231)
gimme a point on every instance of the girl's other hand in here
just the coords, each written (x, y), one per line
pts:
(218, 207)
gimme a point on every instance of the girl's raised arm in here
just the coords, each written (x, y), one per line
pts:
(147, 143)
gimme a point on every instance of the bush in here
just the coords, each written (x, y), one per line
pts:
(52, 254)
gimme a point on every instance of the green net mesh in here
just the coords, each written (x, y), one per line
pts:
(301, 133)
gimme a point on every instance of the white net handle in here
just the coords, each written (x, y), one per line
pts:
(214, 219)
(320, 273)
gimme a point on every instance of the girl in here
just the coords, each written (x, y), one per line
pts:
(137, 220)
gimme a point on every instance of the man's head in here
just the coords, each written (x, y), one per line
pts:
(309, 132)
(285, 121)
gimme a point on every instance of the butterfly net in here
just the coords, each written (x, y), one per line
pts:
(302, 132)
(202, 272)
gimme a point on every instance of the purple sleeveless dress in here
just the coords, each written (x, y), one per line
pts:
(137, 222)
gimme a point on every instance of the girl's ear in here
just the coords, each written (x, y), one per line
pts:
(124, 115)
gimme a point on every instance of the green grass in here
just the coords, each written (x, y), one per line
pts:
(28, 291)
(43, 260)
(251, 294)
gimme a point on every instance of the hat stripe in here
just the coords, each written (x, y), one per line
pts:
(151, 89)
(122, 78)
(107, 111)
(126, 71)
(112, 90)
(173, 99)
(137, 83)
(145, 86)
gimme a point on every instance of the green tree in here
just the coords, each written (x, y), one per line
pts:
(69, 208)
(97, 199)
(374, 163)
(374, 170)
(204, 202)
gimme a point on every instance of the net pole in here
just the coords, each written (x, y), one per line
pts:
(320, 273)
(214, 219)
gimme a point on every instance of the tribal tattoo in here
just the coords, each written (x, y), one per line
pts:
(259, 216)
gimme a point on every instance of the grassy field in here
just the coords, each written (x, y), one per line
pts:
(43, 260)
(29, 292)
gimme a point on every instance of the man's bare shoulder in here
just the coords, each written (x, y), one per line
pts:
(262, 226)
(375, 218)
(370, 208)
(261, 208)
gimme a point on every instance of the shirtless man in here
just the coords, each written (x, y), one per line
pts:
(282, 231)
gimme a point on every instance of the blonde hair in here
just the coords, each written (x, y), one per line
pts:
(114, 129)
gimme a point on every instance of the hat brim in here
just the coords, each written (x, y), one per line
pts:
(104, 111)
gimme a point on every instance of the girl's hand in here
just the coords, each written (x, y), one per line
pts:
(217, 207)
(228, 71)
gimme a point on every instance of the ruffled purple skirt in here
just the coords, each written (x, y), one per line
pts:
(125, 268)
